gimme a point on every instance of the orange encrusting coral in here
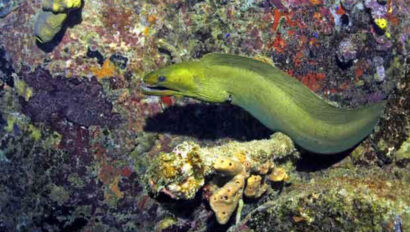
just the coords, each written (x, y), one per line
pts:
(151, 19)
(146, 31)
(107, 70)
(340, 10)
(167, 100)
(115, 188)
(392, 18)
(110, 173)
(316, 2)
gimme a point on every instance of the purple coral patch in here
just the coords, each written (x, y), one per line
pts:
(80, 101)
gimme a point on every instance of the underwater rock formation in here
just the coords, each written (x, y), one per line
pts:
(52, 17)
(48, 25)
(181, 173)
(7, 6)
(340, 200)
(79, 101)
(402, 158)
(72, 177)
(6, 68)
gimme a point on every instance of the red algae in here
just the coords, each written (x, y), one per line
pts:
(116, 18)
(279, 44)
(313, 80)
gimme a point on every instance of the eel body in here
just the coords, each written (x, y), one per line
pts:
(277, 100)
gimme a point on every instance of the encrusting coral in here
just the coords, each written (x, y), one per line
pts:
(278, 174)
(181, 173)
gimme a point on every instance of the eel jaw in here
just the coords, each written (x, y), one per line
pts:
(158, 90)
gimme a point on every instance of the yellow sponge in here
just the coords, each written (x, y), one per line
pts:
(381, 23)
(278, 175)
(225, 200)
(255, 187)
(60, 6)
(48, 25)
(228, 166)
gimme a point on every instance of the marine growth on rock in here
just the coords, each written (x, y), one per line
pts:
(235, 168)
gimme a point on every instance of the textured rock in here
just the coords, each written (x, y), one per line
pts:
(342, 200)
(47, 25)
(78, 100)
(181, 173)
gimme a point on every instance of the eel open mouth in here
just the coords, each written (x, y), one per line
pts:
(157, 90)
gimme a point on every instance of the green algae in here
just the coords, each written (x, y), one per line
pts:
(20, 123)
(23, 89)
(402, 156)
(76, 180)
(165, 223)
(17, 122)
(58, 194)
(357, 153)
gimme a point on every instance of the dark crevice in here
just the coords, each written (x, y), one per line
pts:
(205, 121)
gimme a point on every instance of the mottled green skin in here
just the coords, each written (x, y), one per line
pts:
(277, 100)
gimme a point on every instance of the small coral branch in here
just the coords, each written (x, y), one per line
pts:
(237, 169)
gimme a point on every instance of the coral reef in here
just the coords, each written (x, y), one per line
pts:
(181, 173)
(58, 177)
(79, 101)
(73, 171)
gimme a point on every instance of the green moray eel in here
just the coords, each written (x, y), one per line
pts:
(276, 99)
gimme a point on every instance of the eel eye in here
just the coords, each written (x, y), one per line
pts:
(161, 78)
